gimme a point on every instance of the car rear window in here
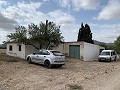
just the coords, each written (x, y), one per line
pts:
(57, 53)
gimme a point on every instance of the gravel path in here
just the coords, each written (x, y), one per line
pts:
(17, 74)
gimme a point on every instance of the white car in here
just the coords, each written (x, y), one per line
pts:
(47, 58)
(107, 55)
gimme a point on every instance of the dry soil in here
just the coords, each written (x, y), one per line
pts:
(17, 74)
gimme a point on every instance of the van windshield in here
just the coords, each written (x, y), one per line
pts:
(105, 53)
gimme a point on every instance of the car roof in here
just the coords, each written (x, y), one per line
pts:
(108, 51)
(52, 50)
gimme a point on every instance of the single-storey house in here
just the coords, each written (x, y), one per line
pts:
(81, 50)
(19, 50)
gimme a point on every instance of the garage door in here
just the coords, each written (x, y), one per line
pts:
(74, 51)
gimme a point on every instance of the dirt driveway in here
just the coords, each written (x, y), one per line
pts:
(17, 74)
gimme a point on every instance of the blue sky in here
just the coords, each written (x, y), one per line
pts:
(103, 16)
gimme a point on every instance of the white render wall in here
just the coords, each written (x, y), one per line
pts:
(15, 50)
(88, 52)
(91, 52)
(64, 48)
(81, 44)
(29, 49)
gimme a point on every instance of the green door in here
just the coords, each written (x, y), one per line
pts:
(74, 51)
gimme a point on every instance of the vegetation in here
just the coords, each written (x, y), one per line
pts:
(114, 46)
(2, 47)
(108, 46)
(85, 34)
(20, 35)
(117, 45)
(75, 87)
(40, 36)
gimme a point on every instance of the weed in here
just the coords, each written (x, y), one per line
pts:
(75, 87)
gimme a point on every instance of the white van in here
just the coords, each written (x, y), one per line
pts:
(107, 55)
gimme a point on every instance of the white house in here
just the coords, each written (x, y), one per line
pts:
(82, 50)
(19, 50)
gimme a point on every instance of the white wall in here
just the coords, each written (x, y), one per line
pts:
(91, 52)
(88, 52)
(64, 48)
(15, 50)
(29, 49)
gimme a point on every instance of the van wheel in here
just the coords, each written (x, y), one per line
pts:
(115, 59)
(99, 60)
(47, 64)
(110, 60)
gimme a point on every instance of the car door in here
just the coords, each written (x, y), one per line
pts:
(38, 56)
(114, 55)
(44, 54)
(35, 56)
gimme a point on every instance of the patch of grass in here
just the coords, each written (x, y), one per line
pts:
(75, 87)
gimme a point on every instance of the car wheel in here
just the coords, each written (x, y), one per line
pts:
(29, 60)
(47, 64)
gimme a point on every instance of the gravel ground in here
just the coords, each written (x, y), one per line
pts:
(17, 74)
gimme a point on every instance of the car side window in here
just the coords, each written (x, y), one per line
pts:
(44, 52)
(38, 52)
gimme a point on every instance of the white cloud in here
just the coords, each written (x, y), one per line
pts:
(64, 3)
(61, 17)
(67, 22)
(105, 33)
(85, 4)
(80, 4)
(3, 2)
(3, 35)
(110, 11)
(24, 12)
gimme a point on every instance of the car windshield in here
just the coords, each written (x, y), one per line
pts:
(57, 53)
(105, 53)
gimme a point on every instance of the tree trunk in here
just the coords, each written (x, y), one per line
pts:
(48, 46)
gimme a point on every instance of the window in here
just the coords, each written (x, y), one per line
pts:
(44, 52)
(39, 52)
(19, 47)
(114, 53)
(105, 53)
(10, 48)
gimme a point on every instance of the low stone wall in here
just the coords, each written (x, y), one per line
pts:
(2, 51)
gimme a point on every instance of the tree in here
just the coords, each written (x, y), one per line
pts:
(19, 35)
(85, 34)
(117, 44)
(108, 46)
(40, 36)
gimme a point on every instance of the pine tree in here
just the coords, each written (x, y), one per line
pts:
(85, 34)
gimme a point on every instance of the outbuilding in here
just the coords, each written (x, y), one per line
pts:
(19, 49)
(81, 50)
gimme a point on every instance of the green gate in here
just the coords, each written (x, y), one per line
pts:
(74, 51)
